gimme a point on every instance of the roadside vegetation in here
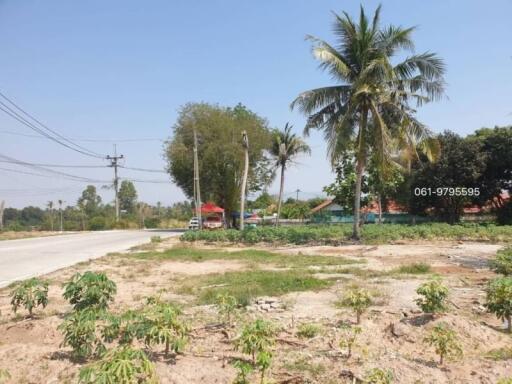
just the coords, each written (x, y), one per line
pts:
(339, 234)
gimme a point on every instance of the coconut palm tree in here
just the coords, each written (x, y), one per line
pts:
(286, 146)
(373, 102)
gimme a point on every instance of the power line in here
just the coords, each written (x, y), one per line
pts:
(58, 165)
(89, 139)
(143, 169)
(60, 140)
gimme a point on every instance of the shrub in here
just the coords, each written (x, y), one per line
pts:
(348, 338)
(226, 305)
(499, 299)
(90, 290)
(414, 268)
(156, 239)
(308, 331)
(30, 294)
(379, 376)
(79, 330)
(434, 294)
(97, 223)
(502, 264)
(120, 365)
(445, 342)
(357, 299)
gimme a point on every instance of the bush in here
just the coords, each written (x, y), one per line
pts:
(156, 239)
(79, 330)
(502, 264)
(97, 223)
(90, 290)
(499, 299)
(308, 331)
(445, 342)
(30, 294)
(152, 222)
(357, 299)
(504, 215)
(120, 365)
(434, 294)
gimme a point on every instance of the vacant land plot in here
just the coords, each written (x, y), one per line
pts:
(302, 292)
(13, 235)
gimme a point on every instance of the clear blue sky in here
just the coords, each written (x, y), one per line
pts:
(120, 70)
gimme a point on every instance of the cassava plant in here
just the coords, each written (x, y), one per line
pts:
(445, 342)
(90, 290)
(162, 325)
(502, 264)
(433, 296)
(125, 327)
(499, 299)
(255, 337)
(80, 333)
(359, 300)
(226, 306)
(348, 338)
(244, 369)
(124, 365)
(30, 294)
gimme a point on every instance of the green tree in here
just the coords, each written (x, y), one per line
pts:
(89, 200)
(127, 196)
(286, 147)
(221, 155)
(372, 102)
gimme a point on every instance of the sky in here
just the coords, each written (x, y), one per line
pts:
(116, 72)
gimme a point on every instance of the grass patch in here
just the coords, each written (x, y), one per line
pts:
(412, 269)
(247, 285)
(499, 354)
(308, 330)
(248, 255)
(304, 364)
(370, 233)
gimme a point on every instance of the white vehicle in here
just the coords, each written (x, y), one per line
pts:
(193, 223)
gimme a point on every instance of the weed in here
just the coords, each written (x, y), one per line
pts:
(500, 354)
(156, 239)
(413, 269)
(502, 264)
(308, 331)
(348, 338)
(379, 376)
(4, 375)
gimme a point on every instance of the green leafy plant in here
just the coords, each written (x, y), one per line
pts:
(90, 290)
(445, 342)
(30, 294)
(162, 325)
(79, 330)
(348, 338)
(226, 305)
(308, 331)
(502, 264)
(499, 299)
(255, 337)
(125, 327)
(263, 361)
(505, 380)
(379, 376)
(434, 294)
(357, 299)
(244, 369)
(4, 375)
(124, 365)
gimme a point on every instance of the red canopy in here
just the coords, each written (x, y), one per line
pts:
(211, 208)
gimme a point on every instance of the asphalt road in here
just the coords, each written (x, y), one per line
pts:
(25, 258)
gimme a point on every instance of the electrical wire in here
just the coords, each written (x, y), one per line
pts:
(89, 139)
(143, 169)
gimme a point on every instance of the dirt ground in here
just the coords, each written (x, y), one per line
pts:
(392, 330)
(13, 235)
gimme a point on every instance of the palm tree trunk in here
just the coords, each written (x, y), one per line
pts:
(280, 200)
(243, 191)
(361, 157)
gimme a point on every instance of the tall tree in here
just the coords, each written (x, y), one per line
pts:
(127, 196)
(221, 155)
(286, 147)
(90, 201)
(372, 102)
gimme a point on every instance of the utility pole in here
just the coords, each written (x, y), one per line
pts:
(243, 190)
(197, 188)
(297, 191)
(60, 212)
(114, 163)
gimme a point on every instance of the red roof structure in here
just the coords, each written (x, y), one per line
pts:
(211, 208)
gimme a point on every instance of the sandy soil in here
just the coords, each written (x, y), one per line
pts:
(30, 348)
